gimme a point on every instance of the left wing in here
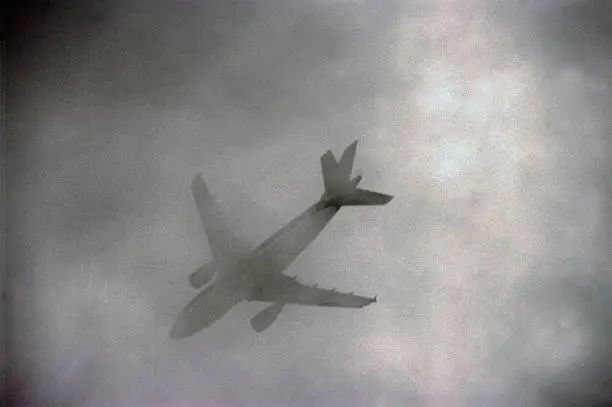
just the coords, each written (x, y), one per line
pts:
(224, 246)
(287, 290)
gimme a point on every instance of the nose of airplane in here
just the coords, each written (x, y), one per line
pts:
(206, 308)
(179, 330)
(189, 322)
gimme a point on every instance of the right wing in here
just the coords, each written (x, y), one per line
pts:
(224, 246)
(287, 290)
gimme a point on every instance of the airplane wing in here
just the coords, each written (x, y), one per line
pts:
(287, 290)
(224, 246)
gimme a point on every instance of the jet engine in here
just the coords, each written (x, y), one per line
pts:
(265, 318)
(201, 276)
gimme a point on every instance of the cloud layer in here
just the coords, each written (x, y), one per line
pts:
(489, 265)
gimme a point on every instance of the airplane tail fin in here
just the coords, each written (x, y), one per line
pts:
(340, 189)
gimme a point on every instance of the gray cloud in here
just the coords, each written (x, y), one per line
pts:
(569, 42)
(489, 265)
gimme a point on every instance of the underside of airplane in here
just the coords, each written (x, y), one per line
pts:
(239, 273)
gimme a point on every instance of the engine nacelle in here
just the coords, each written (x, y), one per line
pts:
(265, 318)
(201, 276)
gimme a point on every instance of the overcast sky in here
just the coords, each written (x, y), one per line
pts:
(489, 123)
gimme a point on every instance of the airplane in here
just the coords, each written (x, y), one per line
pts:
(241, 274)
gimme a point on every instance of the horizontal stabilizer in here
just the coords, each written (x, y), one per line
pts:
(355, 181)
(361, 197)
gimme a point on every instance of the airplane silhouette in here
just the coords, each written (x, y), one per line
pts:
(243, 274)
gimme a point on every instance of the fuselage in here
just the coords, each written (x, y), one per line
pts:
(282, 248)
(269, 258)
